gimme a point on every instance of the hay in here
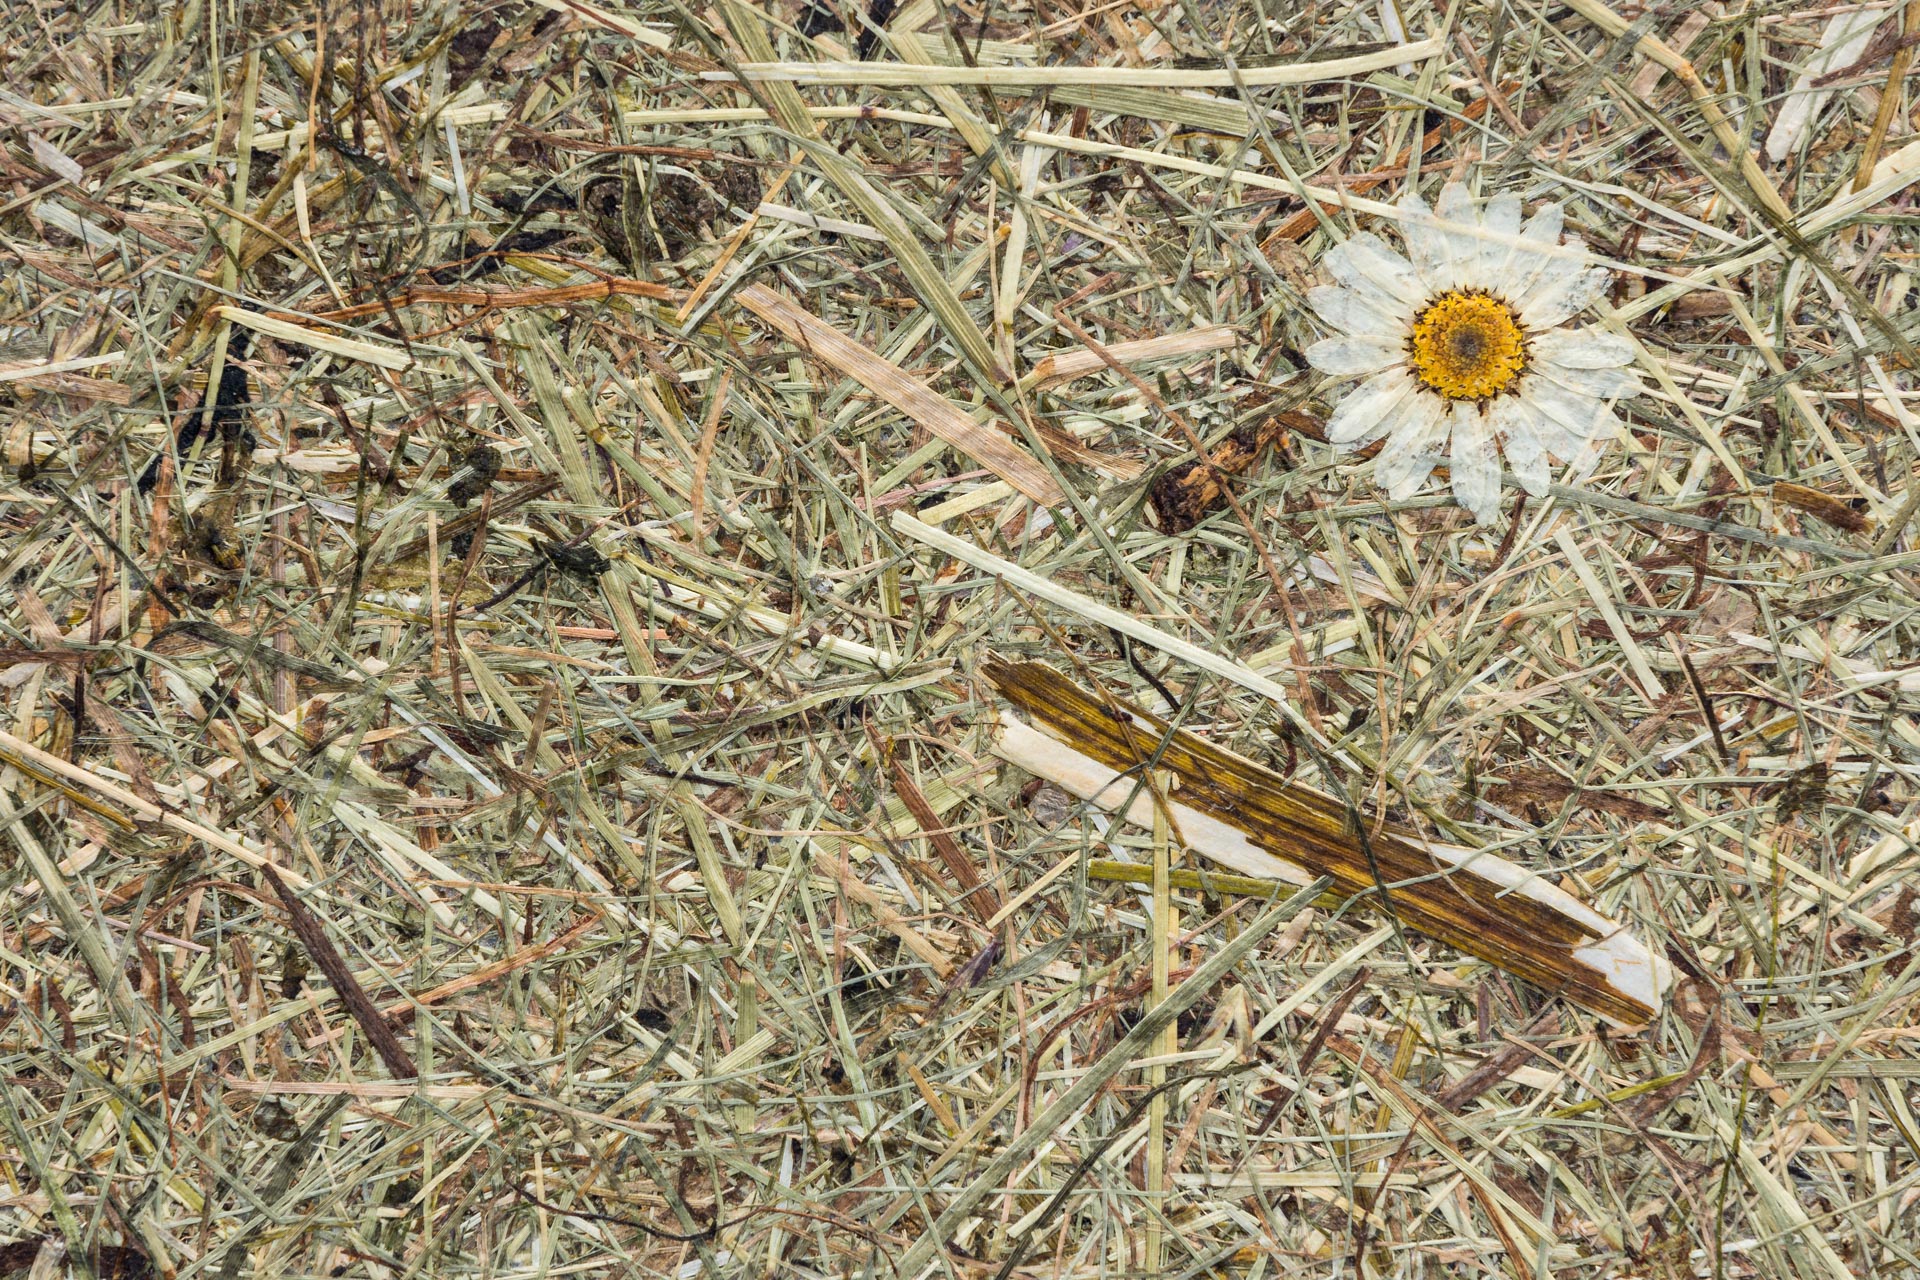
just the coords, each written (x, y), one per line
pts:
(506, 509)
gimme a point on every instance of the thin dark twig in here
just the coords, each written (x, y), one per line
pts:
(313, 936)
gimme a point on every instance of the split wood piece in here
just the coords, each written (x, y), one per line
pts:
(1254, 821)
(823, 342)
(1824, 507)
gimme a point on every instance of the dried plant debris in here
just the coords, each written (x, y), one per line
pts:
(595, 600)
(1189, 492)
(479, 466)
(663, 214)
(32, 1259)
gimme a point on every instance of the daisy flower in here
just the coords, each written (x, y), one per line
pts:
(1466, 351)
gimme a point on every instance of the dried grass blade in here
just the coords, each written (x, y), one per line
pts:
(19, 749)
(901, 75)
(1107, 616)
(934, 412)
(1053, 370)
(346, 348)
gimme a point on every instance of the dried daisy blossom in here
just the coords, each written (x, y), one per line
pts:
(1465, 349)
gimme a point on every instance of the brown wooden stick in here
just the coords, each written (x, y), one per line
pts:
(981, 898)
(313, 936)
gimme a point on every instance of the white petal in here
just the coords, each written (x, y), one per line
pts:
(1589, 361)
(1535, 475)
(1503, 231)
(1582, 461)
(1585, 416)
(1378, 298)
(1531, 468)
(1543, 228)
(1607, 384)
(1526, 452)
(1584, 349)
(1456, 205)
(1352, 356)
(1561, 291)
(1404, 476)
(1351, 312)
(1552, 438)
(1456, 231)
(1475, 463)
(1426, 245)
(1367, 260)
(1367, 406)
(1542, 232)
(1417, 443)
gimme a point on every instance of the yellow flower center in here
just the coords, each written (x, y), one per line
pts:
(1467, 345)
